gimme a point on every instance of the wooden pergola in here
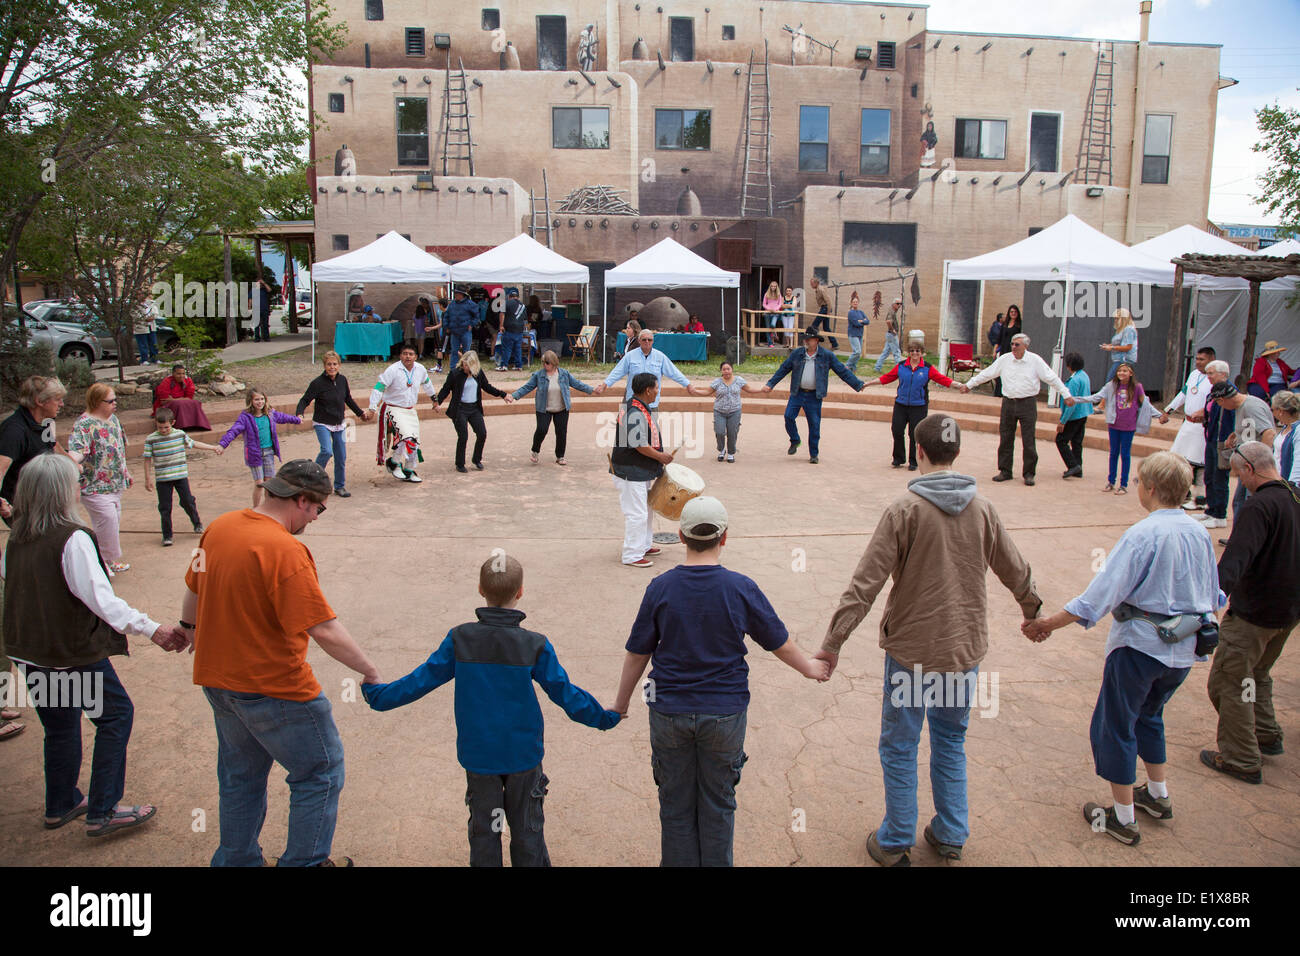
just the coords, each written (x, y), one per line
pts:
(1254, 269)
(287, 232)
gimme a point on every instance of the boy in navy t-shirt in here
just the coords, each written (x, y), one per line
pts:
(692, 623)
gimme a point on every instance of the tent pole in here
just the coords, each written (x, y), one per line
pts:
(737, 324)
(604, 323)
(943, 320)
(313, 323)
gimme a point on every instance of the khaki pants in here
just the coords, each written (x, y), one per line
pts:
(1245, 655)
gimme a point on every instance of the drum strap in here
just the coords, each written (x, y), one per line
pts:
(654, 430)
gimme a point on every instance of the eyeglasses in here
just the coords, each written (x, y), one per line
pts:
(110, 401)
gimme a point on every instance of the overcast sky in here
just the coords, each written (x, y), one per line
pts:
(1261, 49)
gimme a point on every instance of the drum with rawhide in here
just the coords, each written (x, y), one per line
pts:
(671, 490)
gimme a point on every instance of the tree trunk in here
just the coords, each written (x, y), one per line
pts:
(1252, 329)
(232, 307)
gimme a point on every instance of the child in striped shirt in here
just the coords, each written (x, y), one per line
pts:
(164, 460)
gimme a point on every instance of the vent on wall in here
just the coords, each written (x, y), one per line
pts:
(415, 41)
(491, 18)
(885, 55)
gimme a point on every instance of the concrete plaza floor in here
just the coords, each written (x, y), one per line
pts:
(399, 563)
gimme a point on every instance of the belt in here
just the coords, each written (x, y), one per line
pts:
(812, 391)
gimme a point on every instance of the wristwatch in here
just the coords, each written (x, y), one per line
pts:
(186, 624)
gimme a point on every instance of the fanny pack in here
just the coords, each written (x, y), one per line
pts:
(1176, 628)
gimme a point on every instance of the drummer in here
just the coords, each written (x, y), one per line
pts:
(638, 459)
(1190, 440)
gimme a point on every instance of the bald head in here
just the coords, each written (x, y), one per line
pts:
(1253, 464)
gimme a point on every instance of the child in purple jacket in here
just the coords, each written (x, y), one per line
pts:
(261, 444)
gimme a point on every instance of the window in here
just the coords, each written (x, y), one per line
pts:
(491, 18)
(728, 33)
(873, 157)
(336, 102)
(340, 243)
(374, 11)
(415, 41)
(822, 274)
(412, 131)
(1155, 154)
(814, 138)
(1044, 135)
(681, 32)
(885, 55)
(580, 128)
(552, 44)
(981, 139)
(879, 244)
(682, 129)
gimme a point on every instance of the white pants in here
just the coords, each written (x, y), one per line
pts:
(105, 512)
(638, 535)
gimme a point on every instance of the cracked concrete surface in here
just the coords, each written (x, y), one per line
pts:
(399, 563)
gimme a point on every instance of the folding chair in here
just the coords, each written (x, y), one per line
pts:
(583, 341)
(961, 358)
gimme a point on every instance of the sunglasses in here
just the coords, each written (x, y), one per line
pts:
(1236, 453)
(110, 401)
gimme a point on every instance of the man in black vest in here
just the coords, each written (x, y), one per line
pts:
(638, 459)
(514, 321)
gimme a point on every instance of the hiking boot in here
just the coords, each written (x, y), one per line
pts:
(1100, 818)
(949, 851)
(342, 861)
(1273, 749)
(1162, 808)
(1002, 476)
(794, 447)
(1214, 760)
(885, 857)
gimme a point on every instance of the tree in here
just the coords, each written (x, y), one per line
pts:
(1280, 129)
(81, 77)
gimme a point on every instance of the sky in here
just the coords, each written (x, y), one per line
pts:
(1261, 49)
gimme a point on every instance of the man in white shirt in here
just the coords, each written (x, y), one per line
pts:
(394, 397)
(1190, 440)
(1022, 374)
(645, 359)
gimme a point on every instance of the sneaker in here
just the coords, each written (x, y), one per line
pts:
(411, 476)
(478, 465)
(1273, 749)
(1162, 808)
(643, 563)
(721, 457)
(949, 851)
(1214, 760)
(462, 469)
(117, 567)
(897, 464)
(501, 368)
(1209, 522)
(167, 542)
(1075, 472)
(342, 493)
(794, 447)
(1029, 480)
(812, 460)
(198, 528)
(1100, 817)
(912, 467)
(1001, 476)
(731, 458)
(885, 857)
(438, 367)
(1190, 505)
(652, 550)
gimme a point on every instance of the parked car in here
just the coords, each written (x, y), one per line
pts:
(64, 342)
(74, 316)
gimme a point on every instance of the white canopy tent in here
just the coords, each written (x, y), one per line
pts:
(390, 258)
(523, 260)
(670, 265)
(1067, 251)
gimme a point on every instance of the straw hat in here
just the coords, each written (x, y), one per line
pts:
(1271, 348)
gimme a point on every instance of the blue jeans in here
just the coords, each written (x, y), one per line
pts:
(146, 346)
(458, 342)
(332, 445)
(812, 410)
(98, 689)
(1239, 498)
(512, 349)
(696, 759)
(891, 348)
(1121, 445)
(1216, 484)
(823, 321)
(1128, 721)
(855, 352)
(901, 713)
(252, 733)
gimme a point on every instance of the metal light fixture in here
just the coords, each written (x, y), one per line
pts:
(1095, 191)
(442, 41)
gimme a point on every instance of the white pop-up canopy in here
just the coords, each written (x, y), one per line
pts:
(524, 260)
(1188, 240)
(390, 258)
(670, 265)
(1067, 251)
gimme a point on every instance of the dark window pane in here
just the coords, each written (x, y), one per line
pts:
(668, 129)
(491, 18)
(728, 32)
(696, 129)
(1155, 169)
(552, 44)
(812, 157)
(336, 102)
(874, 161)
(595, 129)
(566, 128)
(374, 9)
(1044, 135)
(412, 114)
(681, 39)
(340, 243)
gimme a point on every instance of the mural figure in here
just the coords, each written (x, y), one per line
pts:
(587, 47)
(929, 139)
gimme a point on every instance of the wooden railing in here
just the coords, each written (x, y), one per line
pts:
(753, 325)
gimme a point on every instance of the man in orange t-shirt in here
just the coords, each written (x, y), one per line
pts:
(252, 601)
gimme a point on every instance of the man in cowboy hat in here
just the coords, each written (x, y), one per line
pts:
(1270, 374)
(461, 316)
(809, 369)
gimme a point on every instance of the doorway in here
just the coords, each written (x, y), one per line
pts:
(1044, 141)
(681, 31)
(552, 43)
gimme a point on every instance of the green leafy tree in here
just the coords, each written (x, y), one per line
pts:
(1280, 132)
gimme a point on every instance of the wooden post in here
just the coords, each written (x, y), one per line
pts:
(1174, 342)
(292, 292)
(232, 307)
(1252, 328)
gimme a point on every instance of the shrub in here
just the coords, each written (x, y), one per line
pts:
(202, 364)
(74, 373)
(19, 359)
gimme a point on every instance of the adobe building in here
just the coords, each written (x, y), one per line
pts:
(780, 138)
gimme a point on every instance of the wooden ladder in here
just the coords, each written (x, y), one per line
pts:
(457, 147)
(539, 223)
(1096, 145)
(756, 188)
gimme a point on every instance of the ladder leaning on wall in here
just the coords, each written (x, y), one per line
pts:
(1096, 145)
(539, 225)
(756, 189)
(457, 147)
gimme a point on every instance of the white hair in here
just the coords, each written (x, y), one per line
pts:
(1218, 365)
(46, 497)
(1018, 337)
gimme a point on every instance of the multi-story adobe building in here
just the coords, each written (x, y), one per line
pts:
(889, 145)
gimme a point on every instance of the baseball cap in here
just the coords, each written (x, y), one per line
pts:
(1223, 390)
(512, 292)
(703, 512)
(297, 477)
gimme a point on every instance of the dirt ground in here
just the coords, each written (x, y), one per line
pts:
(399, 563)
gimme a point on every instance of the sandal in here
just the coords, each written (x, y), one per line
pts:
(1108, 489)
(10, 729)
(123, 818)
(560, 461)
(533, 457)
(1121, 490)
(53, 823)
(117, 567)
(10, 713)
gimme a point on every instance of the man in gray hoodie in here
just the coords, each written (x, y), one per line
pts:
(937, 541)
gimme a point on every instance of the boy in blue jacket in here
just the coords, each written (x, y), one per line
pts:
(498, 720)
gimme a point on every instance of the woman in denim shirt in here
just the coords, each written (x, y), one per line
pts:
(553, 402)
